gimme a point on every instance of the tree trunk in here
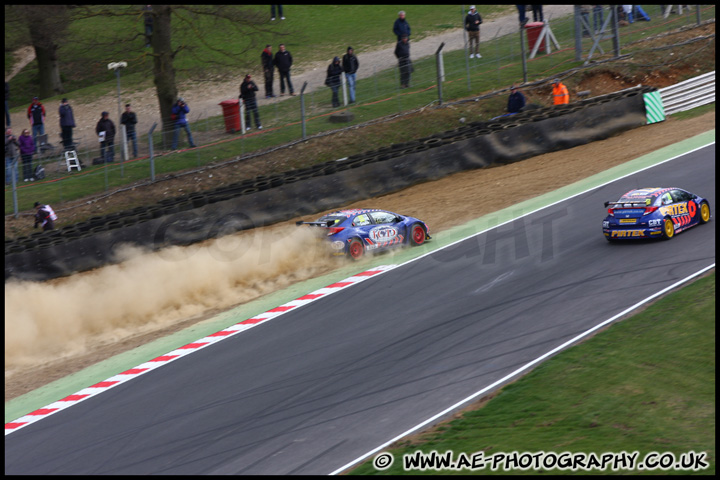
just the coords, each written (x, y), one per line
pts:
(163, 66)
(45, 53)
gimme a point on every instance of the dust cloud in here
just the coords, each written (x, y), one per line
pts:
(147, 291)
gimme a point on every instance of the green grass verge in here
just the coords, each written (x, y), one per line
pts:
(695, 112)
(646, 384)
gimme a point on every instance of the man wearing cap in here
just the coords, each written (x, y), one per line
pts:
(516, 100)
(268, 68)
(105, 130)
(129, 119)
(472, 25)
(560, 93)
(44, 216)
(36, 115)
(67, 123)
(350, 66)
(180, 110)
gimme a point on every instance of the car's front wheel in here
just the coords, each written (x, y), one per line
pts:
(417, 234)
(356, 249)
(668, 229)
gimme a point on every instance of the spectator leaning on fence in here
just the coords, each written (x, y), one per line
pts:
(472, 25)
(560, 93)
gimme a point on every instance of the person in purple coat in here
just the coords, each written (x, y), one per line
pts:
(27, 148)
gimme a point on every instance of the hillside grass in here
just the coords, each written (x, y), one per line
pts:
(646, 384)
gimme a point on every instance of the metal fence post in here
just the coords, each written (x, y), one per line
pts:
(152, 156)
(440, 71)
(344, 87)
(125, 157)
(578, 35)
(697, 14)
(616, 30)
(522, 54)
(302, 108)
(13, 173)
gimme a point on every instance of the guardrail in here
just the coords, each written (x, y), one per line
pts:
(689, 94)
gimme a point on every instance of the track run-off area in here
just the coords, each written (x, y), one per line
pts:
(324, 374)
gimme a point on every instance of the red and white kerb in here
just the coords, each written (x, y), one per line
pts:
(187, 349)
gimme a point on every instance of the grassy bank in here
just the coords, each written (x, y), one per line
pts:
(646, 384)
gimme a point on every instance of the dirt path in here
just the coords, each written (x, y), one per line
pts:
(200, 286)
(203, 97)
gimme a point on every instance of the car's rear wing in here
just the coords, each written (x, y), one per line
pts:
(623, 204)
(328, 223)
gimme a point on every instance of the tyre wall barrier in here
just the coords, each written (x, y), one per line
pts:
(313, 194)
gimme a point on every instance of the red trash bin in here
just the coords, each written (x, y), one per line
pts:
(533, 32)
(231, 113)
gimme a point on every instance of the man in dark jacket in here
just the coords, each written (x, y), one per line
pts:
(36, 115)
(472, 25)
(268, 68)
(401, 26)
(350, 66)
(67, 123)
(333, 79)
(402, 52)
(283, 62)
(516, 100)
(105, 130)
(180, 110)
(129, 119)
(247, 95)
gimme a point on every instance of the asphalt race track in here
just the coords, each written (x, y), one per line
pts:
(326, 383)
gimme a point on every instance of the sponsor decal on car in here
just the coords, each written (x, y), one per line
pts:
(383, 233)
(677, 209)
(628, 220)
(628, 233)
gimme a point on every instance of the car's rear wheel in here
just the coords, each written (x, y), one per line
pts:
(704, 212)
(417, 234)
(668, 229)
(356, 249)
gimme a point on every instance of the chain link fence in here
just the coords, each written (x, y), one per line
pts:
(588, 37)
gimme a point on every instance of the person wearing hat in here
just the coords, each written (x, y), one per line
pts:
(333, 79)
(247, 95)
(36, 115)
(105, 130)
(129, 119)
(67, 123)
(350, 66)
(516, 100)
(472, 25)
(180, 110)
(266, 57)
(44, 216)
(560, 93)
(402, 52)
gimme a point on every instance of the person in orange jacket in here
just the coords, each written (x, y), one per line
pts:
(560, 93)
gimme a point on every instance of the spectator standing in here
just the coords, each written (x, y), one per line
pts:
(129, 119)
(472, 25)
(266, 57)
(180, 110)
(36, 115)
(105, 130)
(148, 16)
(521, 15)
(27, 148)
(283, 61)
(402, 52)
(67, 123)
(560, 93)
(44, 216)
(597, 18)
(12, 147)
(401, 26)
(333, 79)
(7, 104)
(537, 13)
(247, 95)
(350, 65)
(279, 10)
(516, 100)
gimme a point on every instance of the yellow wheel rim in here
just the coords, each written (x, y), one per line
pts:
(705, 212)
(669, 228)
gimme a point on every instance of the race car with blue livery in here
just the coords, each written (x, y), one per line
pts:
(354, 232)
(654, 213)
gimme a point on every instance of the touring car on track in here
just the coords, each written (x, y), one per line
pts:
(354, 232)
(654, 213)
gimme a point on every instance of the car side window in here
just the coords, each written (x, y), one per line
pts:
(667, 198)
(680, 196)
(383, 217)
(361, 220)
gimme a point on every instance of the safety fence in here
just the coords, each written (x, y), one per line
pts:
(377, 95)
(689, 94)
